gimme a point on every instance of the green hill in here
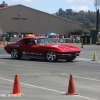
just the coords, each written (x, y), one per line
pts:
(88, 19)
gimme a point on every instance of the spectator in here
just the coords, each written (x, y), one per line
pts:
(22, 36)
(7, 38)
(78, 39)
(14, 35)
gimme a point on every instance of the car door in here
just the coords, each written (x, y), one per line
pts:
(26, 47)
(38, 47)
(34, 49)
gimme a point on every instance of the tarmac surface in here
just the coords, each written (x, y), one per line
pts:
(40, 80)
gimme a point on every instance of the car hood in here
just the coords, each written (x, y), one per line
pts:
(61, 47)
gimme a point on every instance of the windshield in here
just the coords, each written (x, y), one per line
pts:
(19, 40)
(42, 41)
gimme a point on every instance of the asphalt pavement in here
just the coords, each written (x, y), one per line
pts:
(40, 80)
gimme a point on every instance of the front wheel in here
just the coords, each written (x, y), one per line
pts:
(51, 56)
(15, 54)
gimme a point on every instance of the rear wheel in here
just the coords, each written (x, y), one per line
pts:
(15, 54)
(51, 56)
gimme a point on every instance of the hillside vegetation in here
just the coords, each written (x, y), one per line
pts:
(88, 19)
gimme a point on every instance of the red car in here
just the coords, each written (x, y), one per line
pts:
(41, 47)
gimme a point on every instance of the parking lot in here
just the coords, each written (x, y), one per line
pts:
(40, 80)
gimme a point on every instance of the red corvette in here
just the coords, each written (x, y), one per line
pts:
(41, 47)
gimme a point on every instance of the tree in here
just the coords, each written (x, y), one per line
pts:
(88, 19)
(61, 12)
(77, 32)
(69, 11)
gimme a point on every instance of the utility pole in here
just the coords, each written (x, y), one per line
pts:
(97, 4)
(97, 20)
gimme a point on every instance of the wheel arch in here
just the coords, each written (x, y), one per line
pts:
(19, 55)
(14, 48)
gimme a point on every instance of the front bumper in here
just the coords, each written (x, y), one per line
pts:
(67, 55)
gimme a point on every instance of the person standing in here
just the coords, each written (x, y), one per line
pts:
(78, 39)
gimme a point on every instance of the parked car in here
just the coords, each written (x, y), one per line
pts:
(97, 43)
(41, 47)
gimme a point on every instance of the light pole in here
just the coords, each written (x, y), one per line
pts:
(19, 22)
(97, 3)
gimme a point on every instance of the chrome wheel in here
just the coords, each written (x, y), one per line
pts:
(15, 54)
(51, 56)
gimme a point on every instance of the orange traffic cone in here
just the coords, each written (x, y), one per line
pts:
(71, 87)
(16, 87)
(0, 43)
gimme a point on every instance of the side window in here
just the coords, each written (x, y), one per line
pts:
(19, 40)
(27, 41)
(35, 40)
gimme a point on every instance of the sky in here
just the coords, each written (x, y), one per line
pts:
(52, 6)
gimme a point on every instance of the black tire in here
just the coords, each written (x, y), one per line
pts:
(51, 56)
(15, 54)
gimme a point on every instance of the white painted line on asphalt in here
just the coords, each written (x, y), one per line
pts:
(59, 74)
(49, 74)
(87, 78)
(86, 97)
(47, 89)
(4, 55)
(84, 59)
(2, 62)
